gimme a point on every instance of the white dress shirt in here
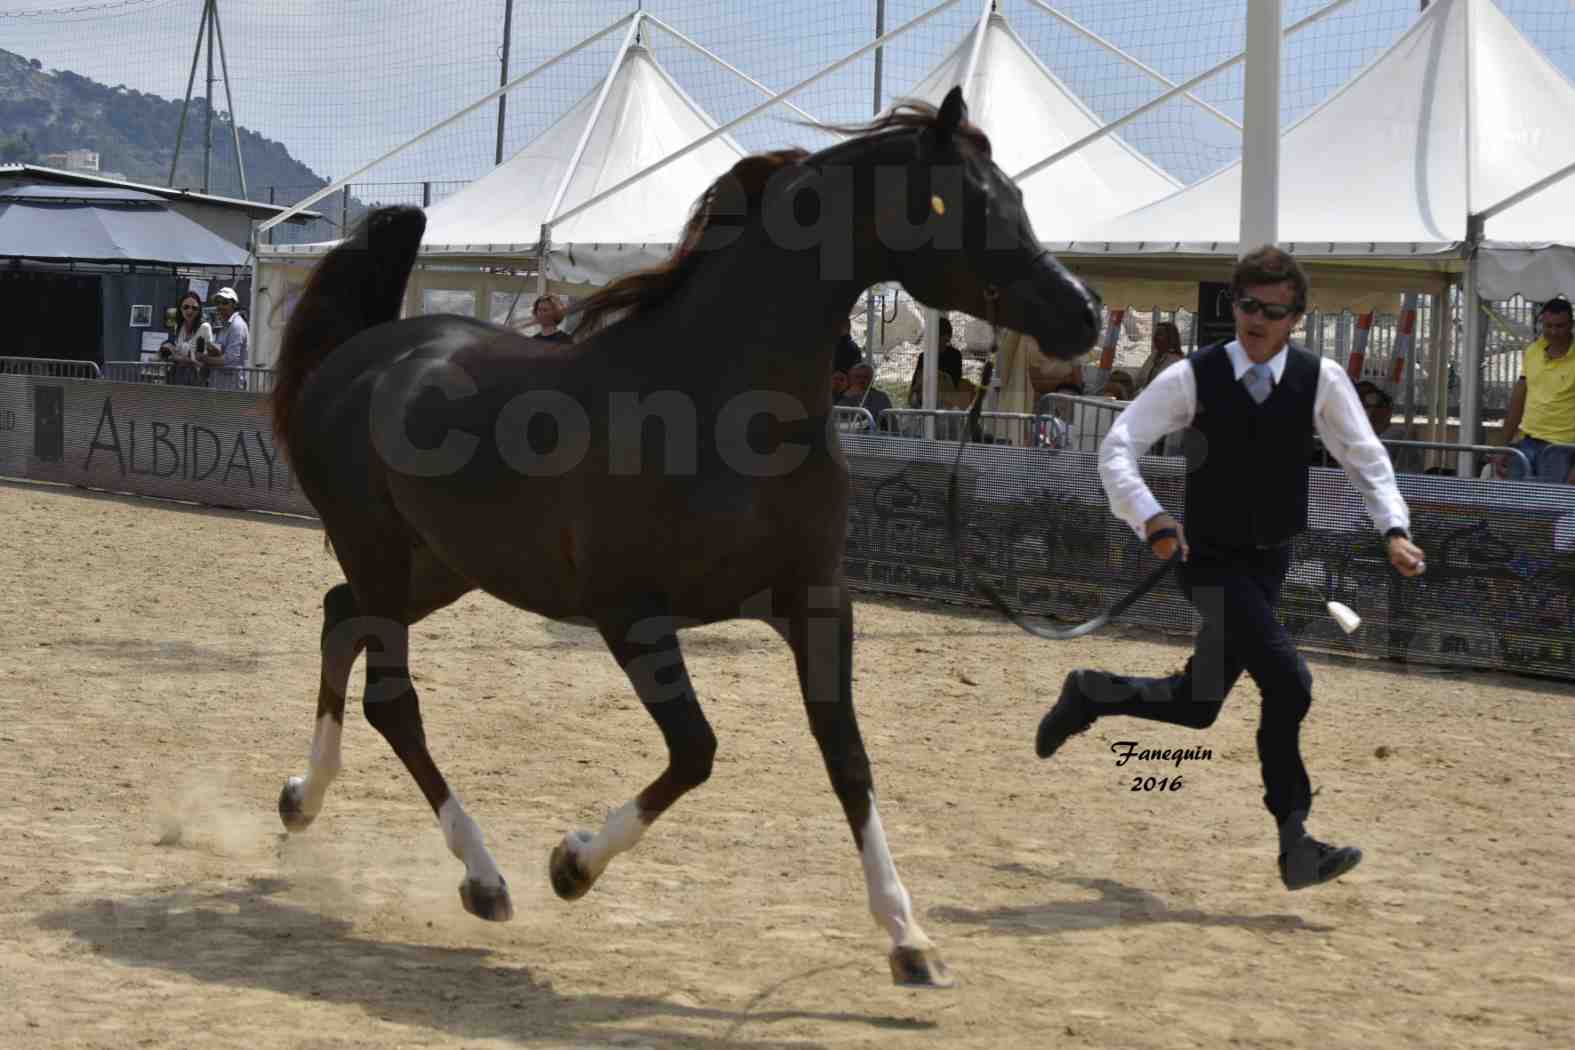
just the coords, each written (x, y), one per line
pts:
(1169, 403)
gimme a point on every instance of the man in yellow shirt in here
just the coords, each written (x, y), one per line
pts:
(1541, 419)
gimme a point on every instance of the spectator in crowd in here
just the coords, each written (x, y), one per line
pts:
(228, 352)
(1542, 407)
(847, 353)
(844, 355)
(953, 391)
(1379, 407)
(862, 393)
(1165, 350)
(1119, 387)
(189, 344)
(548, 313)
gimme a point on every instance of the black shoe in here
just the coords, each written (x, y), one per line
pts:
(1071, 715)
(1310, 862)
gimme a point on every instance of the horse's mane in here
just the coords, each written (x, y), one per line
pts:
(644, 289)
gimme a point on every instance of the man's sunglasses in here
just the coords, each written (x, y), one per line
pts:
(1273, 311)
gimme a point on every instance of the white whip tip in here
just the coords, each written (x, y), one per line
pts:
(1345, 617)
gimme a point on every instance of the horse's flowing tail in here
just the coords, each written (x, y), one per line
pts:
(359, 284)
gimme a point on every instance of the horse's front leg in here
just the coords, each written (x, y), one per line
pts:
(819, 627)
(646, 647)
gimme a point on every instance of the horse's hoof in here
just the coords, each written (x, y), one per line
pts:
(920, 968)
(291, 800)
(569, 879)
(487, 902)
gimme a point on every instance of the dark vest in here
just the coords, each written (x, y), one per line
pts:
(1247, 475)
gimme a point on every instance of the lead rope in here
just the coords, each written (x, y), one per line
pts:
(971, 429)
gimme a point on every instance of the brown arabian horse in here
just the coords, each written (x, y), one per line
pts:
(444, 454)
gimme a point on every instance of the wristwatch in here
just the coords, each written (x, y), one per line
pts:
(1397, 531)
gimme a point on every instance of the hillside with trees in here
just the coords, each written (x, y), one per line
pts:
(52, 111)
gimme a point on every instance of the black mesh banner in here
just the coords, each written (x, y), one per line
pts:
(1497, 592)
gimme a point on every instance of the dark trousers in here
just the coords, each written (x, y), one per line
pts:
(1235, 593)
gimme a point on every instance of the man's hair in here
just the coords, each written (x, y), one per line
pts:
(1367, 390)
(544, 299)
(1560, 305)
(1269, 265)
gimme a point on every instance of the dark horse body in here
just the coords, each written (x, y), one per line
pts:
(672, 469)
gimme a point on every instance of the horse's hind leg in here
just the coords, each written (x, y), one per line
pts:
(819, 627)
(394, 594)
(302, 797)
(647, 649)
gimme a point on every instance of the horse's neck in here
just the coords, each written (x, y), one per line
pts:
(778, 316)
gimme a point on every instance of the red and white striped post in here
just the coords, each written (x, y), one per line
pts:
(1364, 329)
(1405, 339)
(1107, 356)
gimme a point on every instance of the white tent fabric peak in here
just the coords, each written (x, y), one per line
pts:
(644, 117)
(1029, 113)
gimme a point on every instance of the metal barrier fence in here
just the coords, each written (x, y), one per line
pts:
(1414, 464)
(48, 366)
(1499, 591)
(254, 380)
(851, 419)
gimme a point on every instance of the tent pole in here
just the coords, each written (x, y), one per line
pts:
(932, 368)
(1260, 143)
(503, 78)
(1179, 89)
(880, 53)
(229, 97)
(207, 138)
(1439, 313)
(191, 79)
(871, 347)
(1471, 351)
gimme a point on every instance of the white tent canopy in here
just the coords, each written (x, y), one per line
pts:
(1459, 114)
(637, 117)
(1029, 114)
(632, 119)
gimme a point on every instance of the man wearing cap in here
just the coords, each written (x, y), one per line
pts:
(230, 342)
(1250, 407)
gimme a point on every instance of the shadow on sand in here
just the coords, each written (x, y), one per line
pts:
(246, 938)
(1117, 905)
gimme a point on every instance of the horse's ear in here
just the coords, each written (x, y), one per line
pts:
(953, 111)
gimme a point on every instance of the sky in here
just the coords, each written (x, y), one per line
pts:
(340, 82)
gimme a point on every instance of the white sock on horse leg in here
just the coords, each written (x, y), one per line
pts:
(463, 836)
(622, 831)
(323, 764)
(888, 897)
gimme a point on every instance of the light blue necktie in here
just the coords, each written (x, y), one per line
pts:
(1259, 382)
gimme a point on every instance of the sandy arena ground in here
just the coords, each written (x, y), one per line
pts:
(160, 671)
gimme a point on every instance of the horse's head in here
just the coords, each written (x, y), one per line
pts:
(981, 255)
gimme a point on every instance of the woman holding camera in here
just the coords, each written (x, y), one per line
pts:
(189, 344)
